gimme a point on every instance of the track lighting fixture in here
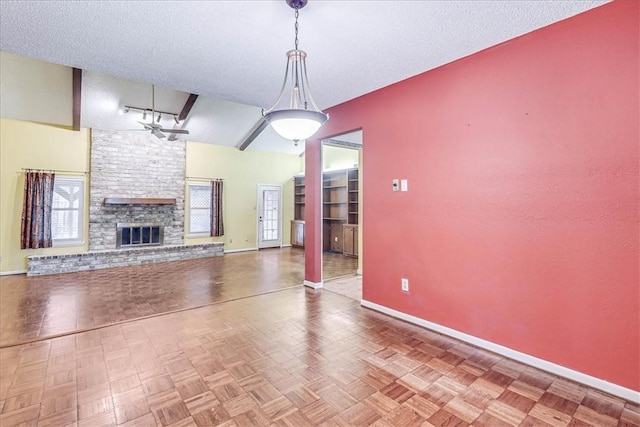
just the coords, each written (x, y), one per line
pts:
(144, 111)
(156, 128)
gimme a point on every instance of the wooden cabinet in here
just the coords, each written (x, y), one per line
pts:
(297, 233)
(297, 224)
(350, 239)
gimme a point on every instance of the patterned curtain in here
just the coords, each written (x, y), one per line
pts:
(217, 226)
(36, 210)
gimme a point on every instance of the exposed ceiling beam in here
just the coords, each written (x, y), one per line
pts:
(253, 133)
(77, 98)
(188, 105)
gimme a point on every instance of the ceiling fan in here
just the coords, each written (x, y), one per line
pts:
(155, 128)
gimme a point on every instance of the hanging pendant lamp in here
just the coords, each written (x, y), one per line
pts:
(302, 118)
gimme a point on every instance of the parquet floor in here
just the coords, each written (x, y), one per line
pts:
(336, 265)
(38, 307)
(292, 357)
(349, 286)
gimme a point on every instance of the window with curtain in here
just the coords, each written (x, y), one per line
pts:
(67, 210)
(200, 209)
(205, 209)
(35, 230)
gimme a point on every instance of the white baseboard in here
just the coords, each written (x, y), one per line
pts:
(285, 246)
(9, 273)
(597, 383)
(314, 285)
(240, 250)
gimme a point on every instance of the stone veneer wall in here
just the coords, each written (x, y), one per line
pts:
(128, 164)
(40, 265)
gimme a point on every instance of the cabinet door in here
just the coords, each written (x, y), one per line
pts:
(348, 241)
(355, 241)
(336, 237)
(297, 233)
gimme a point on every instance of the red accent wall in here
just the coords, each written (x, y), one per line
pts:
(521, 221)
(313, 212)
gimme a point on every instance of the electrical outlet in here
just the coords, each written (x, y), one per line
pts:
(405, 284)
(336, 239)
(230, 240)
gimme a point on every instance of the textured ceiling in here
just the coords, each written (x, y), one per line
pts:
(235, 50)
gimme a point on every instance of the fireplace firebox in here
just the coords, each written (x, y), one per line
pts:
(137, 234)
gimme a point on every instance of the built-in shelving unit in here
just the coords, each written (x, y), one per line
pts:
(340, 191)
(297, 224)
(339, 205)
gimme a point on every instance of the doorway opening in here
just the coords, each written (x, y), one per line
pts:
(342, 206)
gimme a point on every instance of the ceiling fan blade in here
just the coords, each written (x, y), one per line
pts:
(180, 131)
(158, 134)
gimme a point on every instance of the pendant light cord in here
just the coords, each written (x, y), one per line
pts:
(296, 27)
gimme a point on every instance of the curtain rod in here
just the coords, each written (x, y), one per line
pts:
(204, 179)
(54, 170)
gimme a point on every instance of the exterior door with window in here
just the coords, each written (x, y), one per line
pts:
(269, 216)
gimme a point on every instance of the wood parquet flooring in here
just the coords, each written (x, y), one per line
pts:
(292, 357)
(336, 265)
(39, 307)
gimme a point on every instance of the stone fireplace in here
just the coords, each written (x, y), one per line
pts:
(135, 178)
(136, 207)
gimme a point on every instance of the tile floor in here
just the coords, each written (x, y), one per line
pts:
(291, 357)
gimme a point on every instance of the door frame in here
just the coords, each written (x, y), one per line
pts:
(258, 213)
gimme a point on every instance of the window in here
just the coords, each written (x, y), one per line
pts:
(200, 209)
(67, 211)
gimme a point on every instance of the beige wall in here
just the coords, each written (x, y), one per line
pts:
(36, 146)
(336, 158)
(32, 145)
(35, 90)
(242, 171)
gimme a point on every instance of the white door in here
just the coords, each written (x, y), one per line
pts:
(269, 216)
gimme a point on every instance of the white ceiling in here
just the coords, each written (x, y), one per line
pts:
(232, 53)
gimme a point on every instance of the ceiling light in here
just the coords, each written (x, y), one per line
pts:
(144, 115)
(302, 118)
(159, 117)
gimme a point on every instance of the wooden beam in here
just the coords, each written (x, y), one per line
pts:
(253, 133)
(188, 105)
(77, 98)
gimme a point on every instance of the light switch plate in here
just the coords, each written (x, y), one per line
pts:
(396, 185)
(404, 185)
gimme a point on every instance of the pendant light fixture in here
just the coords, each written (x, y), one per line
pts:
(302, 118)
